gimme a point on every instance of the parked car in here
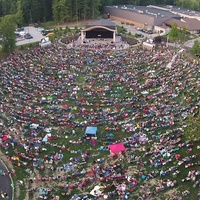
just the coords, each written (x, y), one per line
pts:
(20, 29)
(17, 35)
(139, 35)
(150, 32)
(28, 36)
(45, 32)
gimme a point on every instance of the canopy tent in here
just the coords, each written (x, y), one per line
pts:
(96, 191)
(117, 148)
(34, 126)
(91, 131)
(46, 137)
(43, 191)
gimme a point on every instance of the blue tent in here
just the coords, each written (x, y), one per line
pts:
(91, 131)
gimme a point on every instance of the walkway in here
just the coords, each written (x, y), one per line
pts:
(5, 184)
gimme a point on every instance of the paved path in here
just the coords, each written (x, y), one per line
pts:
(190, 43)
(5, 183)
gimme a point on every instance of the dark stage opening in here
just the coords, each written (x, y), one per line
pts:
(99, 33)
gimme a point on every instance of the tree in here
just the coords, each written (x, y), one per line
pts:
(195, 48)
(36, 10)
(192, 131)
(189, 4)
(7, 28)
(184, 30)
(8, 6)
(19, 14)
(95, 8)
(174, 32)
(61, 10)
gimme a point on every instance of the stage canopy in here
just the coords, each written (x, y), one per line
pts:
(99, 29)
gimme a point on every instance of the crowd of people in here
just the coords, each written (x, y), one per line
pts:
(49, 96)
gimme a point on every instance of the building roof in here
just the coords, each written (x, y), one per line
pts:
(184, 11)
(153, 12)
(176, 9)
(101, 22)
(190, 24)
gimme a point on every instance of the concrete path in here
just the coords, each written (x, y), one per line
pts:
(5, 183)
(190, 43)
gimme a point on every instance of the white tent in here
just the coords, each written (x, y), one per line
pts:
(45, 139)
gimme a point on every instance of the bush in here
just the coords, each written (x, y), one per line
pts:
(69, 39)
(130, 40)
(22, 47)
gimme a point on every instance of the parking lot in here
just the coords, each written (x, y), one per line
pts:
(133, 30)
(37, 36)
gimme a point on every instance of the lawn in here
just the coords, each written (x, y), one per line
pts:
(115, 91)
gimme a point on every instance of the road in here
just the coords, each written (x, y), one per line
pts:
(5, 183)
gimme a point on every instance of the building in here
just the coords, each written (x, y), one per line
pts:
(141, 16)
(191, 24)
(155, 17)
(183, 13)
(99, 29)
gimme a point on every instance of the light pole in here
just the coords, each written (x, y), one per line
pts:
(167, 40)
(28, 37)
(31, 16)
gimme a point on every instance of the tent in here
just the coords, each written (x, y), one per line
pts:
(117, 148)
(43, 191)
(46, 137)
(34, 126)
(96, 191)
(91, 131)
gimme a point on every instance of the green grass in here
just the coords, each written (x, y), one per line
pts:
(48, 25)
(85, 146)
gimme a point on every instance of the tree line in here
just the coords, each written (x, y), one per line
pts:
(32, 11)
(16, 13)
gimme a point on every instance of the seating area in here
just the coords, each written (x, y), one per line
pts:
(131, 103)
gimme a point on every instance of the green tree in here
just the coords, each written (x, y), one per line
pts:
(7, 28)
(19, 14)
(189, 4)
(8, 7)
(61, 11)
(36, 10)
(174, 32)
(95, 8)
(184, 30)
(195, 48)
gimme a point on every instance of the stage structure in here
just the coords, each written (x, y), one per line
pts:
(99, 29)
